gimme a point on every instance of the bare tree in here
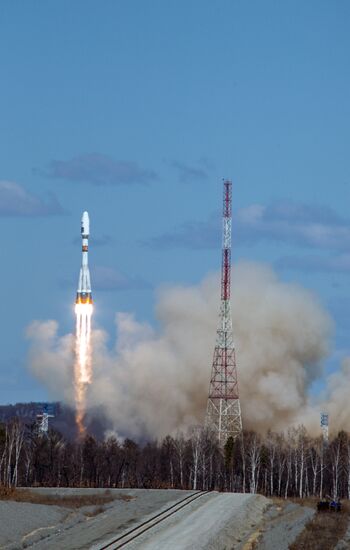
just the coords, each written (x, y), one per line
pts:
(335, 454)
(253, 449)
(180, 453)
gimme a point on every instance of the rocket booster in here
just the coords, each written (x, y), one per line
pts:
(84, 287)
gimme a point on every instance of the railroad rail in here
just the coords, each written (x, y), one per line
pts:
(132, 534)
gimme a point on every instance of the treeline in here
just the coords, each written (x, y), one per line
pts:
(284, 465)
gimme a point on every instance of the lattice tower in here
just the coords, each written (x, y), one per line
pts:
(223, 409)
(43, 420)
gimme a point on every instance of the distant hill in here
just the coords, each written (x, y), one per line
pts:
(63, 421)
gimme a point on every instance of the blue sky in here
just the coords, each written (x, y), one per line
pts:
(135, 111)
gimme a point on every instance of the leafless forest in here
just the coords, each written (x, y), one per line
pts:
(283, 465)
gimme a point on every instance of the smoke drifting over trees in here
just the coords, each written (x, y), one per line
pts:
(156, 382)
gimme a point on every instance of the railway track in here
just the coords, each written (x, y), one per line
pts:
(123, 540)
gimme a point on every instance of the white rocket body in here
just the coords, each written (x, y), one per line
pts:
(84, 287)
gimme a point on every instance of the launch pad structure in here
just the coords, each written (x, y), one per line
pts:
(223, 414)
(325, 427)
(43, 419)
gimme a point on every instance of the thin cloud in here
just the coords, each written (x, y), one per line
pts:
(314, 263)
(193, 235)
(289, 222)
(98, 169)
(15, 200)
(108, 278)
(295, 223)
(188, 174)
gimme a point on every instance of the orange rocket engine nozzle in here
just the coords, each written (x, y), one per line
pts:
(83, 298)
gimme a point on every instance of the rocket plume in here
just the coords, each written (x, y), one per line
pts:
(83, 365)
(83, 312)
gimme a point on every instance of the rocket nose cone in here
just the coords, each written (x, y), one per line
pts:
(85, 223)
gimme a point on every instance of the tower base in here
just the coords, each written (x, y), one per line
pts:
(224, 418)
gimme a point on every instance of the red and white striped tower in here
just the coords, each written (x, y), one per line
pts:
(223, 408)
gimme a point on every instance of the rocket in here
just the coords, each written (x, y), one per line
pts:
(84, 287)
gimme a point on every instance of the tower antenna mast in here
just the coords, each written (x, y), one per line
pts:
(324, 427)
(223, 414)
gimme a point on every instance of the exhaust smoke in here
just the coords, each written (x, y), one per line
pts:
(156, 382)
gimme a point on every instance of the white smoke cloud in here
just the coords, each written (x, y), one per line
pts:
(51, 358)
(155, 382)
(338, 404)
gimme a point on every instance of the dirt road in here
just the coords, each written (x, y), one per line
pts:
(214, 521)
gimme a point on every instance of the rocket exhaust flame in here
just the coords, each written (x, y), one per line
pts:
(83, 365)
(83, 339)
(83, 312)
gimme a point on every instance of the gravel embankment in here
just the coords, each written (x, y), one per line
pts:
(282, 525)
(23, 522)
(344, 544)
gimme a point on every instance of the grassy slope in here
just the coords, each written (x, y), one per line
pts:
(324, 530)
